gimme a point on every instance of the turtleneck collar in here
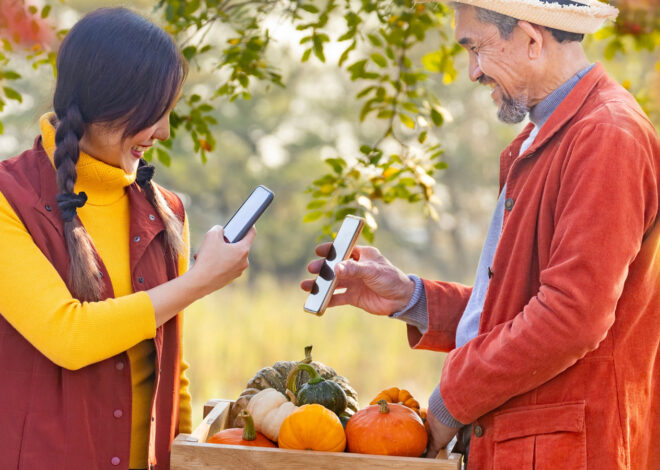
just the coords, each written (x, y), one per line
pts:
(103, 183)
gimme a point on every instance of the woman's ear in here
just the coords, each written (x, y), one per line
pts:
(535, 43)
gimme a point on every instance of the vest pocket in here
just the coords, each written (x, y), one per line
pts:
(541, 437)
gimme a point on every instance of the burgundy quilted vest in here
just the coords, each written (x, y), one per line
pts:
(55, 418)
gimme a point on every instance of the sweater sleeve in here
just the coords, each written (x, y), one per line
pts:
(35, 300)
(185, 407)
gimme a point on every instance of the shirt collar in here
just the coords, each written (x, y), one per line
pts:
(540, 113)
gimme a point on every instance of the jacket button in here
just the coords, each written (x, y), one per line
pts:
(490, 273)
(48, 208)
(478, 431)
(136, 239)
(115, 461)
(119, 365)
(152, 217)
(118, 413)
(140, 279)
(508, 204)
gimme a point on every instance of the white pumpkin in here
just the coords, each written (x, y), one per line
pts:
(269, 408)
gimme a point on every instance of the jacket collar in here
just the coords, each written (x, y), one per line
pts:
(566, 111)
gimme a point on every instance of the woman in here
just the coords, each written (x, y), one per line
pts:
(94, 262)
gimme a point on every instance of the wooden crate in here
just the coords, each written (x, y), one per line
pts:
(191, 452)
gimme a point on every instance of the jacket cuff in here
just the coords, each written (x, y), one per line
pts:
(438, 409)
(416, 312)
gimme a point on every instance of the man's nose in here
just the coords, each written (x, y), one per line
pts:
(475, 69)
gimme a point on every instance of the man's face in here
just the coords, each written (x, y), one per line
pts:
(496, 62)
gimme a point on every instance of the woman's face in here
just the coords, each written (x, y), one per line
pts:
(106, 143)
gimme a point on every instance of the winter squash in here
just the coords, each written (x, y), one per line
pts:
(268, 409)
(396, 395)
(317, 390)
(241, 436)
(312, 427)
(386, 429)
(276, 377)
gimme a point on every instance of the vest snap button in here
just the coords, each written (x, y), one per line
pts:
(478, 431)
(140, 279)
(115, 461)
(508, 204)
(136, 239)
(119, 365)
(152, 217)
(118, 413)
(48, 208)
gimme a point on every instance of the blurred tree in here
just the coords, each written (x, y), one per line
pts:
(385, 50)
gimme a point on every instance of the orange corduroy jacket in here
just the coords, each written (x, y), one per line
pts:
(565, 370)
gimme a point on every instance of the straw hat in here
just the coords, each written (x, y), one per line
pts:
(573, 16)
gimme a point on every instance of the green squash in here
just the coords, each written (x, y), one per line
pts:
(317, 390)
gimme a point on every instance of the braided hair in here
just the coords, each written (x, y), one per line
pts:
(113, 67)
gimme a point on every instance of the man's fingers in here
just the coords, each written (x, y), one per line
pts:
(323, 249)
(315, 266)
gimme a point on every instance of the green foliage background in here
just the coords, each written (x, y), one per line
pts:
(339, 107)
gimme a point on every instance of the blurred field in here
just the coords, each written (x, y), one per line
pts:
(233, 333)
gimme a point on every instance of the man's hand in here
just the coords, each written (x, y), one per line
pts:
(372, 283)
(439, 436)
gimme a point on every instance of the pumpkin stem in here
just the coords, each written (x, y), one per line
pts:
(291, 379)
(314, 376)
(383, 407)
(292, 397)
(249, 434)
(308, 355)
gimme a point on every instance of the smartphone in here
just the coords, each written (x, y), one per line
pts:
(324, 285)
(247, 214)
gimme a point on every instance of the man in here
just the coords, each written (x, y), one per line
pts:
(553, 358)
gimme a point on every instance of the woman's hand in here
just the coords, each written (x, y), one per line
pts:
(372, 283)
(217, 262)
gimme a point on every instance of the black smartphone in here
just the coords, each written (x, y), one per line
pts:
(324, 285)
(247, 214)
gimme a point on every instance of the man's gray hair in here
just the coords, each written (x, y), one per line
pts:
(506, 24)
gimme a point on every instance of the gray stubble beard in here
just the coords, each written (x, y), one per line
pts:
(512, 110)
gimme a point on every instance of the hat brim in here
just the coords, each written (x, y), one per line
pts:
(583, 17)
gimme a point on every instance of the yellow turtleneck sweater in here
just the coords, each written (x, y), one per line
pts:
(35, 300)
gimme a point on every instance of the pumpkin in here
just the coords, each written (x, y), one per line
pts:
(312, 427)
(276, 377)
(268, 409)
(246, 436)
(396, 395)
(317, 390)
(386, 429)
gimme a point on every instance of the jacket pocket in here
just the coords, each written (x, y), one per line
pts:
(541, 437)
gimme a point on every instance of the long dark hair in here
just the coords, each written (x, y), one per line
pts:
(113, 67)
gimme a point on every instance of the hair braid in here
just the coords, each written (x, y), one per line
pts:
(84, 278)
(173, 226)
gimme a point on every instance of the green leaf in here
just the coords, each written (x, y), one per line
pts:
(309, 8)
(45, 11)
(306, 54)
(13, 94)
(163, 156)
(379, 60)
(2, 128)
(407, 121)
(437, 118)
(312, 216)
(385, 114)
(9, 75)
(189, 52)
(316, 204)
(365, 149)
(422, 137)
(344, 55)
(337, 164)
(375, 40)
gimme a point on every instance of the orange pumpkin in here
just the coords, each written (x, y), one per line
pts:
(246, 436)
(396, 395)
(386, 429)
(312, 427)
